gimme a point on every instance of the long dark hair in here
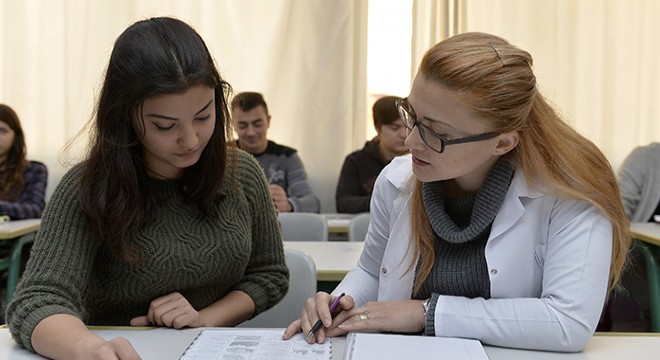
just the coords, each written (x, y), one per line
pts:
(11, 170)
(151, 57)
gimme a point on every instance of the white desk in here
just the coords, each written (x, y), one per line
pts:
(16, 234)
(155, 344)
(648, 232)
(333, 259)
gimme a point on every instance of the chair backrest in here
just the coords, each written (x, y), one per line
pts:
(302, 285)
(357, 228)
(303, 227)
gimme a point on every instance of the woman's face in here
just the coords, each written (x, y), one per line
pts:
(177, 128)
(449, 114)
(7, 135)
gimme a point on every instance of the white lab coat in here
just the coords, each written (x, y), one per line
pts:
(548, 262)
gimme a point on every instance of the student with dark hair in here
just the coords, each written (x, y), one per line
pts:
(159, 194)
(22, 182)
(361, 168)
(504, 225)
(284, 170)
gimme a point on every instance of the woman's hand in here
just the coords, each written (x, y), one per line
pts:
(317, 308)
(172, 310)
(117, 348)
(389, 316)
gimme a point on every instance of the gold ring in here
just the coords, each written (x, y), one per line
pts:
(364, 315)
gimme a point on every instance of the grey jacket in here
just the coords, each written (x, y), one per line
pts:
(283, 167)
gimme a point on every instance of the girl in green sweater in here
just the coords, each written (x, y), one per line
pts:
(163, 224)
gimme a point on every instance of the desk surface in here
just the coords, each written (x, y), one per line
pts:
(632, 346)
(648, 232)
(333, 259)
(16, 228)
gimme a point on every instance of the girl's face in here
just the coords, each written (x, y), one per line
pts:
(449, 114)
(7, 135)
(177, 128)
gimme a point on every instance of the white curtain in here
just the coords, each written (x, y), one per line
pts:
(596, 60)
(308, 58)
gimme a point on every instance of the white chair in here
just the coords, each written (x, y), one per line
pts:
(357, 228)
(302, 285)
(303, 227)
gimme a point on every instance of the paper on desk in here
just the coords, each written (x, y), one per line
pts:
(251, 344)
(366, 346)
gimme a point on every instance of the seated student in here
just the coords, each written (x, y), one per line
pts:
(639, 182)
(162, 224)
(22, 182)
(360, 169)
(494, 229)
(284, 170)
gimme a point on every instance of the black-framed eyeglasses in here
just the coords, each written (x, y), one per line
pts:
(431, 138)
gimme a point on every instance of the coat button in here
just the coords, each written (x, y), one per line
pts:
(493, 271)
(383, 270)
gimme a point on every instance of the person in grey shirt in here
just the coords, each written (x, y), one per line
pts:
(639, 181)
(284, 170)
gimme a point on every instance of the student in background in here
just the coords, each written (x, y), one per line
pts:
(284, 170)
(162, 224)
(639, 181)
(360, 169)
(22, 182)
(505, 225)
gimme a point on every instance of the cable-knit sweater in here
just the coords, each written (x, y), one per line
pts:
(70, 271)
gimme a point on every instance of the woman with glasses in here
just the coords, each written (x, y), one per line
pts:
(504, 225)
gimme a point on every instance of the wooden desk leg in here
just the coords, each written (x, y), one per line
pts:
(653, 273)
(15, 265)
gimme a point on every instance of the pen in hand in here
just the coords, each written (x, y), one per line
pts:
(319, 323)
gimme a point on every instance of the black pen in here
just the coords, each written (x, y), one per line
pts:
(319, 323)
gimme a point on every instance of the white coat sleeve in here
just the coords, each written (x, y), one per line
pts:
(575, 268)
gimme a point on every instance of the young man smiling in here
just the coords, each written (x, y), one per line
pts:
(284, 170)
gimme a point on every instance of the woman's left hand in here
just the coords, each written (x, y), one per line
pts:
(389, 316)
(172, 310)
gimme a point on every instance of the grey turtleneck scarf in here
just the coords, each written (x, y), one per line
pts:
(461, 227)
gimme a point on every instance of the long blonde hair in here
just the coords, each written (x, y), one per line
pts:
(498, 79)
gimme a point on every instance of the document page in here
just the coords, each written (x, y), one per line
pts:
(252, 344)
(367, 346)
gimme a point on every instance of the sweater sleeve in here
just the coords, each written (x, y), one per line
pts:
(31, 202)
(60, 264)
(347, 197)
(300, 193)
(266, 278)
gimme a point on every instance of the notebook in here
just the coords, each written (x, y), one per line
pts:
(367, 346)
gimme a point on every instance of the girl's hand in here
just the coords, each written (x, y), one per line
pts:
(172, 310)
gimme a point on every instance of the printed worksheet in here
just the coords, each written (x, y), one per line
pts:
(251, 344)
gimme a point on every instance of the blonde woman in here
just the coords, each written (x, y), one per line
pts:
(504, 225)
